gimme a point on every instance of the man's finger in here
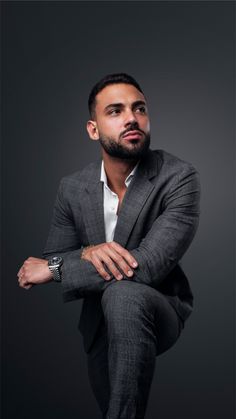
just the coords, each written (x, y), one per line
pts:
(125, 253)
(23, 283)
(109, 262)
(27, 287)
(100, 268)
(120, 261)
(20, 271)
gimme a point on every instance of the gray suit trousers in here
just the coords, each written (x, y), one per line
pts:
(139, 324)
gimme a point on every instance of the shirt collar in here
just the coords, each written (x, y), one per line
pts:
(103, 177)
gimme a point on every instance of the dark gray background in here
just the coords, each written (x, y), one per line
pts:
(182, 53)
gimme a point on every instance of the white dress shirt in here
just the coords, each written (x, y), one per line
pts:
(111, 202)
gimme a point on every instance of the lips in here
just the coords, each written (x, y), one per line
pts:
(132, 134)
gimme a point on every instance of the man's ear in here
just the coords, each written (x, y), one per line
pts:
(92, 130)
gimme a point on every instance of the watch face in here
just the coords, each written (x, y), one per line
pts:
(56, 260)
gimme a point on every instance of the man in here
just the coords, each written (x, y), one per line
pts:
(119, 229)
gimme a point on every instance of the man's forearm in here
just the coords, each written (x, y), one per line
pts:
(80, 278)
(82, 274)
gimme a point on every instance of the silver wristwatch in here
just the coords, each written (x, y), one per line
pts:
(54, 265)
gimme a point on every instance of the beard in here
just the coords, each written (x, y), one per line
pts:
(116, 149)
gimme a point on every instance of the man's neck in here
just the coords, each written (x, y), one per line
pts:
(117, 171)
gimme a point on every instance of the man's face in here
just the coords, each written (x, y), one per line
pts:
(122, 122)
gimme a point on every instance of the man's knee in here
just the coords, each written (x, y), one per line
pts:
(123, 292)
(140, 313)
(128, 303)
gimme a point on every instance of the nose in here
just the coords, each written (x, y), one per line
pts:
(130, 117)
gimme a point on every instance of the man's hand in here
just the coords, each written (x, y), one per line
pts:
(33, 271)
(115, 258)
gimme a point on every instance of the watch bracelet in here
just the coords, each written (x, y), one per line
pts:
(56, 274)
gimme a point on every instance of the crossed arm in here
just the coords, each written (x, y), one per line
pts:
(90, 270)
(118, 262)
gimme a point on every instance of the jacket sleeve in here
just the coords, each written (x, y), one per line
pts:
(172, 232)
(79, 277)
(62, 238)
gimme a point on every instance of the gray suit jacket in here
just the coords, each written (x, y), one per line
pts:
(157, 222)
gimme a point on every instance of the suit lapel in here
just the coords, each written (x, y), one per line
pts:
(135, 198)
(133, 202)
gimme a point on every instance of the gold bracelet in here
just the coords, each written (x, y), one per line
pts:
(84, 250)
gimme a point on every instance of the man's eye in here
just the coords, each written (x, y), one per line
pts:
(141, 109)
(114, 112)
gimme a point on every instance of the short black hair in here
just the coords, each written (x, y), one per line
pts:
(105, 81)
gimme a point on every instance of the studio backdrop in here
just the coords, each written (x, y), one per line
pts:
(182, 54)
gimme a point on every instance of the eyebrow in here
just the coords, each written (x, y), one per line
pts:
(120, 105)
